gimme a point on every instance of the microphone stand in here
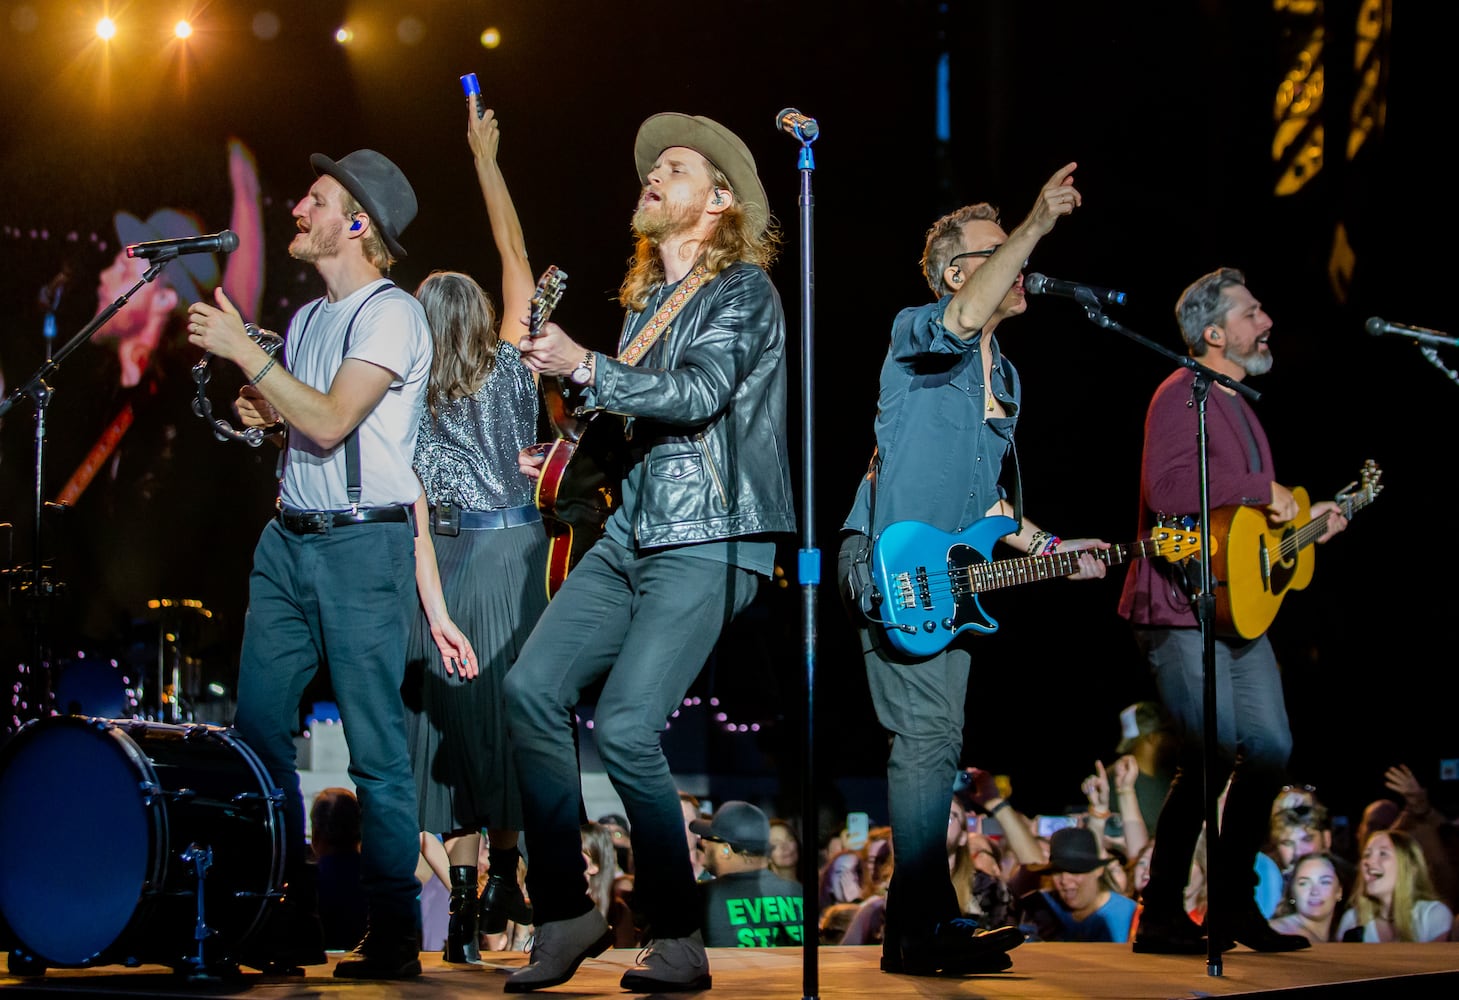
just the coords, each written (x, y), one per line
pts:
(36, 584)
(1205, 602)
(809, 565)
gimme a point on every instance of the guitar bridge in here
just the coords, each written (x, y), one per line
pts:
(903, 593)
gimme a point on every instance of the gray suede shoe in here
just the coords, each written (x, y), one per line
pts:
(669, 965)
(558, 948)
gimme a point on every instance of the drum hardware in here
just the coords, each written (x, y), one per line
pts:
(222, 429)
(201, 858)
(194, 786)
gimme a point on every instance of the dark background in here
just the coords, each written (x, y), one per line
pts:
(1169, 111)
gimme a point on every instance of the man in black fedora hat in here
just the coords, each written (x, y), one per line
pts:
(700, 375)
(1079, 905)
(333, 579)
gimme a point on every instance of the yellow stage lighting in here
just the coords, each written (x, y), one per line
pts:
(106, 29)
(344, 35)
(491, 38)
(182, 29)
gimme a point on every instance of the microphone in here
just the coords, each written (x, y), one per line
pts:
(1089, 295)
(1379, 327)
(792, 121)
(224, 242)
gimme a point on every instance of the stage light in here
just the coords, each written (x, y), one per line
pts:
(106, 29)
(266, 25)
(344, 35)
(491, 38)
(410, 30)
(24, 19)
(182, 29)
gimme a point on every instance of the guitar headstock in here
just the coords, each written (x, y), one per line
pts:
(1356, 495)
(545, 298)
(1176, 543)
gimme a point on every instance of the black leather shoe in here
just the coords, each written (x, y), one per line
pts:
(1169, 934)
(382, 955)
(1258, 935)
(502, 900)
(955, 948)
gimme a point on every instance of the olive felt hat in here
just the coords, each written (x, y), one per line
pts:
(716, 144)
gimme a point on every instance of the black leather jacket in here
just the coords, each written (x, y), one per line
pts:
(707, 415)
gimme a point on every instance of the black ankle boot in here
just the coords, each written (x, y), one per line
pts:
(502, 900)
(462, 944)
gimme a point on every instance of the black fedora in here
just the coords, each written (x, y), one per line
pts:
(1073, 850)
(380, 188)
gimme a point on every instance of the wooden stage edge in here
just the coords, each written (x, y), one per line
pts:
(1041, 971)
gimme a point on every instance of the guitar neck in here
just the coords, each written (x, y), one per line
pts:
(1317, 527)
(1002, 573)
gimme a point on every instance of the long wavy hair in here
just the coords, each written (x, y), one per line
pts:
(1411, 885)
(732, 240)
(598, 846)
(464, 335)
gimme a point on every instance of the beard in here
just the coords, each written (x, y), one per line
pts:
(657, 221)
(316, 244)
(1253, 362)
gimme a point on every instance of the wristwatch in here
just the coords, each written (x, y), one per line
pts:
(583, 373)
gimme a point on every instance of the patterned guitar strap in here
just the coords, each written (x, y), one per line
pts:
(659, 325)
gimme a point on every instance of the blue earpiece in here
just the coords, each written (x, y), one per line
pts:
(355, 226)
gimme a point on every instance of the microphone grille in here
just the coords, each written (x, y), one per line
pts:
(228, 241)
(1034, 283)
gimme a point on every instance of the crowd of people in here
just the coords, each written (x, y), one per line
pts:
(409, 559)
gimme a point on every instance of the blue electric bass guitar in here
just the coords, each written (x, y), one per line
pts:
(928, 580)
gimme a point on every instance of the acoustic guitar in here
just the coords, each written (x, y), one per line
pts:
(1255, 566)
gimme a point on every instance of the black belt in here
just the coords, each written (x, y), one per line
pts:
(481, 520)
(318, 522)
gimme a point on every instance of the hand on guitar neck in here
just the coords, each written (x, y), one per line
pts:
(1285, 508)
(1257, 560)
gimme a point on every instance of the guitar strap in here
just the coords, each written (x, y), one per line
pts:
(634, 352)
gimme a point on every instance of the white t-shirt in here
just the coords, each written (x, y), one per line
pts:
(1431, 922)
(390, 331)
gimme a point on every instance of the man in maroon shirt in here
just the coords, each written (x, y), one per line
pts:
(1224, 327)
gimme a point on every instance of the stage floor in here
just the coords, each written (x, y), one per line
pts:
(1040, 971)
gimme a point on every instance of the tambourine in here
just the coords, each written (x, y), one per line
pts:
(222, 430)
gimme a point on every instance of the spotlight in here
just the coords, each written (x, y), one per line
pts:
(106, 29)
(410, 30)
(344, 35)
(266, 25)
(491, 38)
(182, 29)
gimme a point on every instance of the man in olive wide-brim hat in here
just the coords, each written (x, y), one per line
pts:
(700, 373)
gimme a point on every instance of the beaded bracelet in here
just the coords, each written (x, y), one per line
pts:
(262, 372)
(1051, 544)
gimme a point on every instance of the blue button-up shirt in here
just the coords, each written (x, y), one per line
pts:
(941, 452)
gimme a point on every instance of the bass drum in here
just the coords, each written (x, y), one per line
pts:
(107, 826)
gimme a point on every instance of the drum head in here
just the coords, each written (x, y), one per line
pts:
(77, 841)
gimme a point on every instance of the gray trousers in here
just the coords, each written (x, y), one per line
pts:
(645, 625)
(919, 702)
(343, 598)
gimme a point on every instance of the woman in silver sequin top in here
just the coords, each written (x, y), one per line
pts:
(481, 563)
